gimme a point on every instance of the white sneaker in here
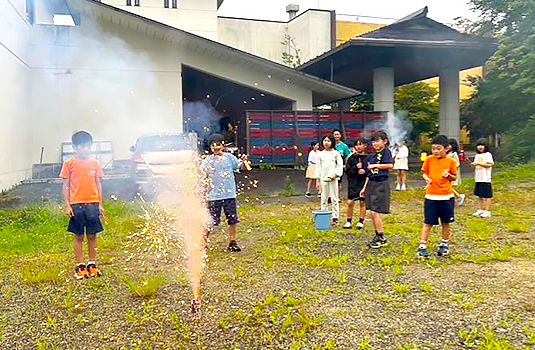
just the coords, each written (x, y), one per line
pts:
(485, 214)
(403, 187)
(398, 187)
(360, 225)
(460, 201)
(347, 225)
(478, 212)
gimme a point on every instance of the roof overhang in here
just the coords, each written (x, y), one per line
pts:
(416, 48)
(322, 91)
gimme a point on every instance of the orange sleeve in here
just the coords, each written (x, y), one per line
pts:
(453, 167)
(425, 165)
(65, 172)
(98, 169)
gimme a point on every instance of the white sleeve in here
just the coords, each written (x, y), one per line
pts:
(488, 158)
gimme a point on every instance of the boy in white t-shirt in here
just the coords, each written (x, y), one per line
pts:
(482, 175)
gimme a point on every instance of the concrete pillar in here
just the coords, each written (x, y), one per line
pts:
(383, 89)
(449, 123)
(343, 105)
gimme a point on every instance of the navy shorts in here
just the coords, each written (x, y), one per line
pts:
(86, 219)
(433, 210)
(483, 189)
(228, 206)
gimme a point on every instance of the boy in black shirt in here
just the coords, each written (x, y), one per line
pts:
(355, 170)
(377, 188)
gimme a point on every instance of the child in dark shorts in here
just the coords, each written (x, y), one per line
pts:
(220, 167)
(356, 177)
(82, 194)
(377, 188)
(439, 171)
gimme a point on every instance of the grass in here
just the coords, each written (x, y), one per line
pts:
(292, 287)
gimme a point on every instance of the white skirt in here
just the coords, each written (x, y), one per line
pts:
(401, 164)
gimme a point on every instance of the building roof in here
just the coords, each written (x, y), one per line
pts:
(416, 46)
(323, 91)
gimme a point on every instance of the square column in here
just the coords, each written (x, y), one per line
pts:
(383, 89)
(449, 122)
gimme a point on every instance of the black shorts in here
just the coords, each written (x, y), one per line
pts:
(483, 189)
(228, 206)
(433, 210)
(86, 219)
(377, 196)
(353, 190)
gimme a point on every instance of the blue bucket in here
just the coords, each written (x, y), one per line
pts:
(322, 219)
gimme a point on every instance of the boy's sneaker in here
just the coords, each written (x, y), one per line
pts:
(398, 187)
(478, 212)
(423, 253)
(80, 272)
(335, 222)
(308, 195)
(347, 225)
(319, 194)
(443, 250)
(360, 225)
(234, 247)
(377, 242)
(485, 214)
(93, 270)
(403, 187)
(460, 201)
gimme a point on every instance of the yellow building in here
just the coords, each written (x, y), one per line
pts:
(345, 30)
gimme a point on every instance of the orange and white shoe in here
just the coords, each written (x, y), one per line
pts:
(80, 272)
(93, 270)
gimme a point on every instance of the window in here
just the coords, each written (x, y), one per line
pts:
(166, 4)
(128, 2)
(174, 3)
(136, 2)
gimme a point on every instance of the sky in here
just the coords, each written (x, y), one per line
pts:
(350, 10)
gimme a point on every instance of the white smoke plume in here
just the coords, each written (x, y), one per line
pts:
(398, 127)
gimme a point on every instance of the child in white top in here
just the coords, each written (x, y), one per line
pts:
(329, 168)
(482, 175)
(401, 165)
(453, 152)
(311, 167)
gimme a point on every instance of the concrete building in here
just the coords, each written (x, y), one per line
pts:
(120, 75)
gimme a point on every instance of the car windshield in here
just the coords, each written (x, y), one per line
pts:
(162, 143)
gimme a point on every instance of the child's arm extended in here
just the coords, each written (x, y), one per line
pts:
(427, 179)
(100, 207)
(67, 197)
(363, 191)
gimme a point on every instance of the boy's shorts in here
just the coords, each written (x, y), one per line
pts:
(483, 189)
(353, 191)
(86, 219)
(434, 209)
(229, 207)
(378, 196)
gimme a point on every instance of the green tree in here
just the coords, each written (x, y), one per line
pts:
(505, 98)
(419, 102)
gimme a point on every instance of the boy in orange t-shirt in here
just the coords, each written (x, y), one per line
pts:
(82, 193)
(438, 172)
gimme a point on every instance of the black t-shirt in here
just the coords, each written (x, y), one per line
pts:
(383, 157)
(352, 170)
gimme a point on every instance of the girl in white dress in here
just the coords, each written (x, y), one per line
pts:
(311, 168)
(401, 165)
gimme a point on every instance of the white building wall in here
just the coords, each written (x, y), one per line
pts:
(310, 32)
(15, 140)
(195, 16)
(117, 87)
(261, 38)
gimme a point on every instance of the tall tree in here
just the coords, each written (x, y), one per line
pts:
(419, 102)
